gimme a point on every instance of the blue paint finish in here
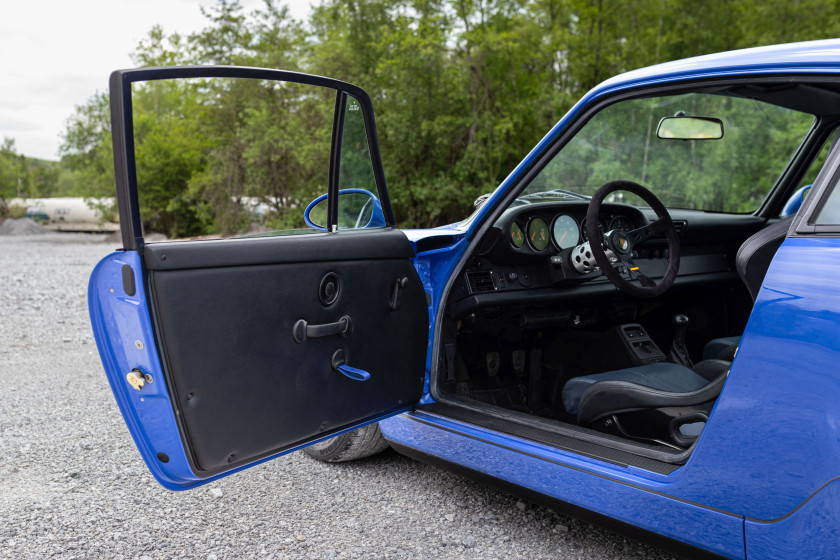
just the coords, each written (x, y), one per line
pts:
(812, 531)
(434, 268)
(625, 494)
(118, 321)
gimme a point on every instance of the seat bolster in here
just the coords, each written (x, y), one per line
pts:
(712, 369)
(721, 348)
(615, 397)
(754, 256)
(663, 376)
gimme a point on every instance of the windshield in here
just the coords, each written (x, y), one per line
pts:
(730, 174)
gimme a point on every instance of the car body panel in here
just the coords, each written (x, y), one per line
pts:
(810, 531)
(623, 493)
(122, 329)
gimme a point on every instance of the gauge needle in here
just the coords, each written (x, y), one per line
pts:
(564, 237)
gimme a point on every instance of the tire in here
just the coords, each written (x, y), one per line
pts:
(358, 444)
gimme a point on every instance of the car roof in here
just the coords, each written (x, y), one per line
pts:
(803, 59)
(819, 56)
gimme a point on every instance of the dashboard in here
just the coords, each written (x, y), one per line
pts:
(524, 258)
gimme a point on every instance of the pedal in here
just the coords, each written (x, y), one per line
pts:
(493, 363)
(518, 359)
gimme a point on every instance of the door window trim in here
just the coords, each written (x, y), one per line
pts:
(122, 133)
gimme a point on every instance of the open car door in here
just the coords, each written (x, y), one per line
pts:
(224, 349)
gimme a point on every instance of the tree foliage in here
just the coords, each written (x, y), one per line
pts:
(462, 90)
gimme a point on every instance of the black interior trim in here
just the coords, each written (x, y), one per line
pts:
(556, 295)
(674, 546)
(372, 244)
(241, 387)
(599, 451)
(335, 160)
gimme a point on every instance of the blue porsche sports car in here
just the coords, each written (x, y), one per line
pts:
(641, 324)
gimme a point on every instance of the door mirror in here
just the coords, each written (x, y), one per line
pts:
(690, 128)
(357, 209)
(794, 203)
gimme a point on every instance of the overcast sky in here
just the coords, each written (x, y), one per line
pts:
(55, 54)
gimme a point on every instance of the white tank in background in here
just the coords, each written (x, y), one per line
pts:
(71, 214)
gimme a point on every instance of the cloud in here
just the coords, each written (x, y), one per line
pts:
(10, 125)
(57, 54)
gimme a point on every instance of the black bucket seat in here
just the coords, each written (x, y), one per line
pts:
(663, 384)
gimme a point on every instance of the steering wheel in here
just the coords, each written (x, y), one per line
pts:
(622, 243)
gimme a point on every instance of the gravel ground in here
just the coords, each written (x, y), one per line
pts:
(74, 485)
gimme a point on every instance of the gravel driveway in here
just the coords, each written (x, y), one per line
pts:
(74, 486)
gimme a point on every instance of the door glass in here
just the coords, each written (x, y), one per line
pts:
(226, 157)
(358, 203)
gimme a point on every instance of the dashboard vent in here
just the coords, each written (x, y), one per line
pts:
(480, 282)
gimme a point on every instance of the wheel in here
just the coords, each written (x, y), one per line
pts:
(621, 244)
(358, 444)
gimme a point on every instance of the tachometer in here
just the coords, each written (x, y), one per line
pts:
(516, 236)
(565, 232)
(538, 234)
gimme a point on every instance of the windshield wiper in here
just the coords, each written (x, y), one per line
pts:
(555, 193)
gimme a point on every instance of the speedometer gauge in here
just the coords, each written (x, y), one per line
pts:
(516, 236)
(565, 232)
(538, 234)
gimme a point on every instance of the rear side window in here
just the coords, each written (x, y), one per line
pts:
(830, 213)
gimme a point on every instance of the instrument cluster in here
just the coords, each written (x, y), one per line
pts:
(561, 231)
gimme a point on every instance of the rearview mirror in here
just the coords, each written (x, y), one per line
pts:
(690, 128)
(357, 209)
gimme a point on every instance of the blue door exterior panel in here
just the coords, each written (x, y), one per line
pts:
(620, 493)
(123, 332)
(811, 531)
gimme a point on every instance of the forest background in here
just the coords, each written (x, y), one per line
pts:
(462, 90)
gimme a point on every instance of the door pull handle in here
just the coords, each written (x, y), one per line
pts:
(394, 301)
(303, 330)
(338, 365)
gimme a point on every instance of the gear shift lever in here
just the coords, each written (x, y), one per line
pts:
(678, 353)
